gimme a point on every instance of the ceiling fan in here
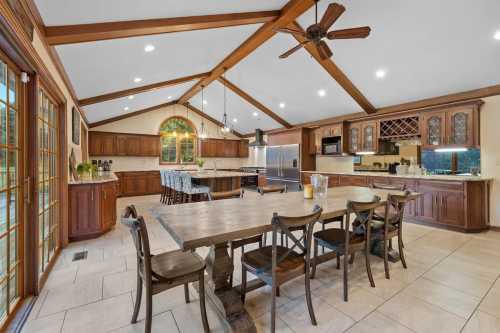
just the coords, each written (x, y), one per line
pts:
(317, 32)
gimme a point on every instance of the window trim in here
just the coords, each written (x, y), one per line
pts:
(178, 143)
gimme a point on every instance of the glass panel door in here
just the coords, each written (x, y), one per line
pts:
(10, 189)
(48, 181)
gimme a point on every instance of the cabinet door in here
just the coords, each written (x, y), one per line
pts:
(369, 136)
(243, 148)
(460, 127)
(220, 148)
(108, 205)
(83, 210)
(354, 138)
(318, 136)
(428, 204)
(433, 129)
(451, 208)
(149, 146)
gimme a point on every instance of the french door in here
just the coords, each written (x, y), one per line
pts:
(11, 194)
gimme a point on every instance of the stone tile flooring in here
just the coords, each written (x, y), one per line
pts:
(451, 285)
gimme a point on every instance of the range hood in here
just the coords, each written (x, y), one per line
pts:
(259, 139)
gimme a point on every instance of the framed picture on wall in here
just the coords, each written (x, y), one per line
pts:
(75, 117)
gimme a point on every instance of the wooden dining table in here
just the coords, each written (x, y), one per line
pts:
(216, 223)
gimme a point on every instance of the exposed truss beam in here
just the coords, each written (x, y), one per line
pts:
(335, 72)
(67, 34)
(292, 10)
(254, 102)
(131, 114)
(206, 116)
(137, 90)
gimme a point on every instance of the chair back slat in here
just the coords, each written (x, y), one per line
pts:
(139, 232)
(398, 204)
(363, 214)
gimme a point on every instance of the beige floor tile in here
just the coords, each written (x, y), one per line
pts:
(467, 283)
(491, 303)
(263, 325)
(67, 297)
(445, 297)
(386, 288)
(61, 277)
(482, 322)
(258, 301)
(296, 288)
(119, 283)
(49, 324)
(98, 317)
(162, 323)
(188, 318)
(378, 323)
(295, 314)
(38, 305)
(100, 269)
(421, 316)
(409, 274)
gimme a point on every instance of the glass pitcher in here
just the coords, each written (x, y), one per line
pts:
(320, 185)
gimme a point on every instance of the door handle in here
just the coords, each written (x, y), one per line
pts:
(92, 195)
(28, 190)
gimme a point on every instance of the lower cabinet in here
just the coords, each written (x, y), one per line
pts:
(135, 183)
(92, 209)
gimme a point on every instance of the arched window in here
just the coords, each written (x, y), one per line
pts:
(178, 141)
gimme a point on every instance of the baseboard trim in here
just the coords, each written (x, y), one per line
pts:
(494, 228)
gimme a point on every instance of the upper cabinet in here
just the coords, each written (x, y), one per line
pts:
(329, 131)
(223, 148)
(121, 144)
(363, 136)
(452, 127)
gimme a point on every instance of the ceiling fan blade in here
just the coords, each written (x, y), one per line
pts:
(293, 50)
(291, 31)
(331, 15)
(324, 50)
(361, 32)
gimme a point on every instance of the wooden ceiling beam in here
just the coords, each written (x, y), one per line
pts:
(292, 10)
(68, 34)
(206, 116)
(335, 72)
(254, 102)
(138, 90)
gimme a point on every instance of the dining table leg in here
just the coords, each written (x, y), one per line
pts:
(226, 298)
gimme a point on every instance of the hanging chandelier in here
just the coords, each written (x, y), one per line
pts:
(203, 135)
(225, 128)
(186, 133)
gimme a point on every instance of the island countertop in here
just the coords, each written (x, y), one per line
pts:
(105, 177)
(220, 174)
(386, 174)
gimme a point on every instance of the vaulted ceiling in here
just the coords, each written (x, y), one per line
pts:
(426, 48)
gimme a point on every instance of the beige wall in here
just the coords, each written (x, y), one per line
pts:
(490, 152)
(42, 52)
(406, 152)
(334, 164)
(149, 123)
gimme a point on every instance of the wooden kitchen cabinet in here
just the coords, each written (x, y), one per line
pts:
(92, 209)
(454, 126)
(369, 136)
(243, 148)
(223, 148)
(355, 144)
(136, 183)
(123, 144)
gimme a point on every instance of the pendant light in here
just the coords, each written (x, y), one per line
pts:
(225, 128)
(203, 135)
(186, 134)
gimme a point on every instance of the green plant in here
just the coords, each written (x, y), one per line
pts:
(84, 167)
(200, 162)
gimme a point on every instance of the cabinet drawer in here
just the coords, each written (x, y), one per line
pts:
(347, 180)
(441, 185)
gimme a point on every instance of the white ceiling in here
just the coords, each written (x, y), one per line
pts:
(97, 68)
(115, 107)
(69, 12)
(236, 108)
(428, 48)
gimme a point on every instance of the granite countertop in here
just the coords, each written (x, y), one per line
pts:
(96, 179)
(385, 174)
(220, 174)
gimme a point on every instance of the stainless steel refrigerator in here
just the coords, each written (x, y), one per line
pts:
(283, 163)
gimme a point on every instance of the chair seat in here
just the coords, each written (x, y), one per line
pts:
(175, 264)
(197, 189)
(334, 239)
(260, 260)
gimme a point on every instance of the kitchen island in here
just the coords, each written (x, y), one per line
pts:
(221, 181)
(459, 203)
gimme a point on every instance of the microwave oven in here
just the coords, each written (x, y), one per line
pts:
(331, 148)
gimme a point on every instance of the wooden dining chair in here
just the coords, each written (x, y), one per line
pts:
(158, 273)
(344, 242)
(391, 226)
(239, 243)
(275, 265)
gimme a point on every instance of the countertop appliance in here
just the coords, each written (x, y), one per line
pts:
(331, 145)
(387, 147)
(283, 163)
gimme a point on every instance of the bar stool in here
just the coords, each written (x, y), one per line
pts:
(163, 179)
(189, 189)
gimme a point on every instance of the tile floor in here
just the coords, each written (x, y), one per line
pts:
(451, 285)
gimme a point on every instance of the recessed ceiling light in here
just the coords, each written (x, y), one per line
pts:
(149, 48)
(322, 93)
(137, 79)
(255, 113)
(205, 102)
(126, 108)
(131, 97)
(235, 120)
(380, 73)
(282, 105)
(497, 35)
(169, 97)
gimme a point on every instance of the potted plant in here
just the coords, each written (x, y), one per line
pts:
(84, 170)
(200, 162)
